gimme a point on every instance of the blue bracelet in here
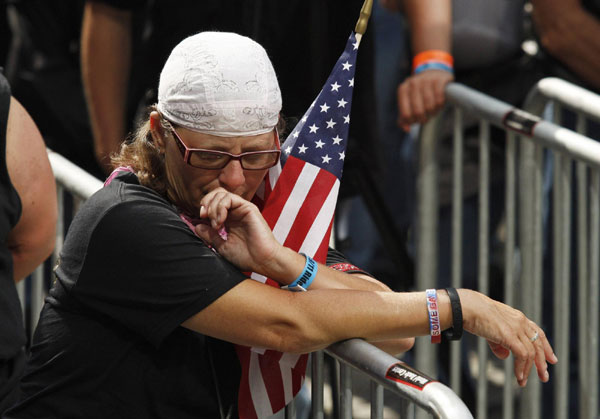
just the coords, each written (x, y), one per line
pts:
(306, 277)
(433, 66)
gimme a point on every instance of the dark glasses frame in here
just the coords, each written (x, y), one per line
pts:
(186, 153)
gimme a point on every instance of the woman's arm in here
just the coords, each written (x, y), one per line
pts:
(31, 241)
(258, 315)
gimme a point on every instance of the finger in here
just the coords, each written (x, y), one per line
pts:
(537, 339)
(206, 199)
(540, 361)
(548, 351)
(404, 108)
(429, 101)
(214, 207)
(220, 207)
(529, 358)
(520, 354)
(417, 105)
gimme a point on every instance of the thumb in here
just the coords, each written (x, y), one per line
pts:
(499, 350)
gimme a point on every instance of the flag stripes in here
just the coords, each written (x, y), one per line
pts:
(298, 203)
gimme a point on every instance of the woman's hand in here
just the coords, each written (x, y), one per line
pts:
(508, 330)
(249, 244)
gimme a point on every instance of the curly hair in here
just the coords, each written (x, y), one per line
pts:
(145, 158)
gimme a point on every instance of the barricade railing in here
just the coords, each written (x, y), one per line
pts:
(556, 94)
(524, 210)
(74, 186)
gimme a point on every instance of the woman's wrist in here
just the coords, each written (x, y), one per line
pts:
(469, 312)
(285, 266)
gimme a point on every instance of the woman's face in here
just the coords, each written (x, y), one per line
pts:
(188, 184)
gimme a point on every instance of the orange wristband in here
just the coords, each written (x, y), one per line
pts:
(433, 55)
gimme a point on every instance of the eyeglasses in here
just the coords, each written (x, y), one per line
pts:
(214, 160)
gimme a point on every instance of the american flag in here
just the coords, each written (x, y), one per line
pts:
(299, 203)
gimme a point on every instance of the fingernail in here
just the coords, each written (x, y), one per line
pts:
(546, 376)
(554, 358)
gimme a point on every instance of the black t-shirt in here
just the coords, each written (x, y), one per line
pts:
(12, 334)
(109, 342)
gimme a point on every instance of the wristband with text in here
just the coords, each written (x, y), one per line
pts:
(306, 277)
(434, 316)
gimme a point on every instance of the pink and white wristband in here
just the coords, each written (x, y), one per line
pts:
(435, 329)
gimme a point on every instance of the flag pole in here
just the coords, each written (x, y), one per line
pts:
(363, 20)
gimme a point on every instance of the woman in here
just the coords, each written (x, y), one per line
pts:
(137, 264)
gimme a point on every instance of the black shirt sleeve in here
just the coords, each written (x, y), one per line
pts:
(145, 269)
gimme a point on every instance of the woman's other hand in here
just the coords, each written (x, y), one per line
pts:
(508, 330)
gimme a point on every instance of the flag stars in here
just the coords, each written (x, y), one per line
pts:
(355, 45)
(335, 86)
(302, 149)
(331, 123)
(319, 144)
(342, 103)
(346, 66)
(295, 134)
(288, 150)
(342, 155)
(347, 119)
(313, 129)
(326, 158)
(324, 107)
(304, 118)
(351, 82)
(337, 140)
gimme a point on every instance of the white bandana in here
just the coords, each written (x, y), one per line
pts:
(220, 83)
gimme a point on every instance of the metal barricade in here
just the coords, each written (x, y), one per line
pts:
(585, 105)
(383, 370)
(527, 139)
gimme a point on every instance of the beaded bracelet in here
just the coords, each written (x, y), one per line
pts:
(434, 316)
(433, 60)
(305, 278)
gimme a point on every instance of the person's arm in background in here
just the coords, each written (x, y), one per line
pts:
(421, 95)
(105, 65)
(31, 241)
(571, 35)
